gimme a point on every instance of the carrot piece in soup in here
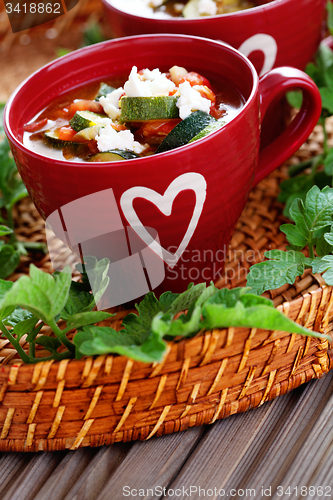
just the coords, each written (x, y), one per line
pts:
(85, 105)
(66, 133)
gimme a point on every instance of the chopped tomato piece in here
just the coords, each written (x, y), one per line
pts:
(85, 105)
(92, 145)
(118, 127)
(195, 79)
(66, 133)
(158, 127)
(154, 131)
(33, 127)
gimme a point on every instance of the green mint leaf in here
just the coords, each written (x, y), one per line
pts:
(249, 312)
(17, 316)
(327, 99)
(324, 244)
(295, 98)
(93, 34)
(25, 326)
(319, 265)
(186, 324)
(166, 300)
(39, 293)
(9, 260)
(324, 59)
(139, 326)
(78, 300)
(328, 162)
(2, 131)
(293, 188)
(319, 208)
(86, 318)
(329, 7)
(185, 299)
(324, 265)
(62, 51)
(311, 216)
(95, 272)
(283, 268)
(294, 235)
(329, 238)
(103, 340)
(10, 182)
(19, 192)
(314, 72)
(51, 344)
(5, 286)
(5, 230)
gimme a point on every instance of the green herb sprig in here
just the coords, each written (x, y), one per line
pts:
(312, 231)
(297, 186)
(66, 306)
(12, 190)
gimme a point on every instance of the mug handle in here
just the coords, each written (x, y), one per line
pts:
(274, 85)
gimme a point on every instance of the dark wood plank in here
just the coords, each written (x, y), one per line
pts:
(151, 464)
(257, 448)
(66, 474)
(97, 472)
(31, 478)
(313, 465)
(278, 451)
(11, 466)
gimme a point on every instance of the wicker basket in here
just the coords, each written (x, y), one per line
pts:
(106, 399)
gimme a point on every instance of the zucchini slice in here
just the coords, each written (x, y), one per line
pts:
(114, 155)
(52, 137)
(85, 119)
(141, 109)
(104, 90)
(186, 130)
(208, 130)
(87, 134)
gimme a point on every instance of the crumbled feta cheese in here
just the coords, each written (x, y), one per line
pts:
(177, 73)
(207, 8)
(110, 103)
(191, 100)
(156, 84)
(108, 139)
(156, 3)
(151, 75)
(142, 8)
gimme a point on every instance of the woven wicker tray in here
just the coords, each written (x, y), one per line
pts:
(106, 399)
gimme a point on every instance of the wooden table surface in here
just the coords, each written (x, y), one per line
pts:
(286, 443)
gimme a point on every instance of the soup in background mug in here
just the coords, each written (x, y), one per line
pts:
(277, 33)
(177, 208)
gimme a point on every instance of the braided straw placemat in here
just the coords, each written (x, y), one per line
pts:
(106, 399)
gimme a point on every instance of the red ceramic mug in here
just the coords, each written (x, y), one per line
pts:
(276, 33)
(191, 196)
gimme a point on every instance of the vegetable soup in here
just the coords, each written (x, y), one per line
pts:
(184, 8)
(152, 112)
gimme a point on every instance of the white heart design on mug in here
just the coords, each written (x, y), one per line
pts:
(194, 181)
